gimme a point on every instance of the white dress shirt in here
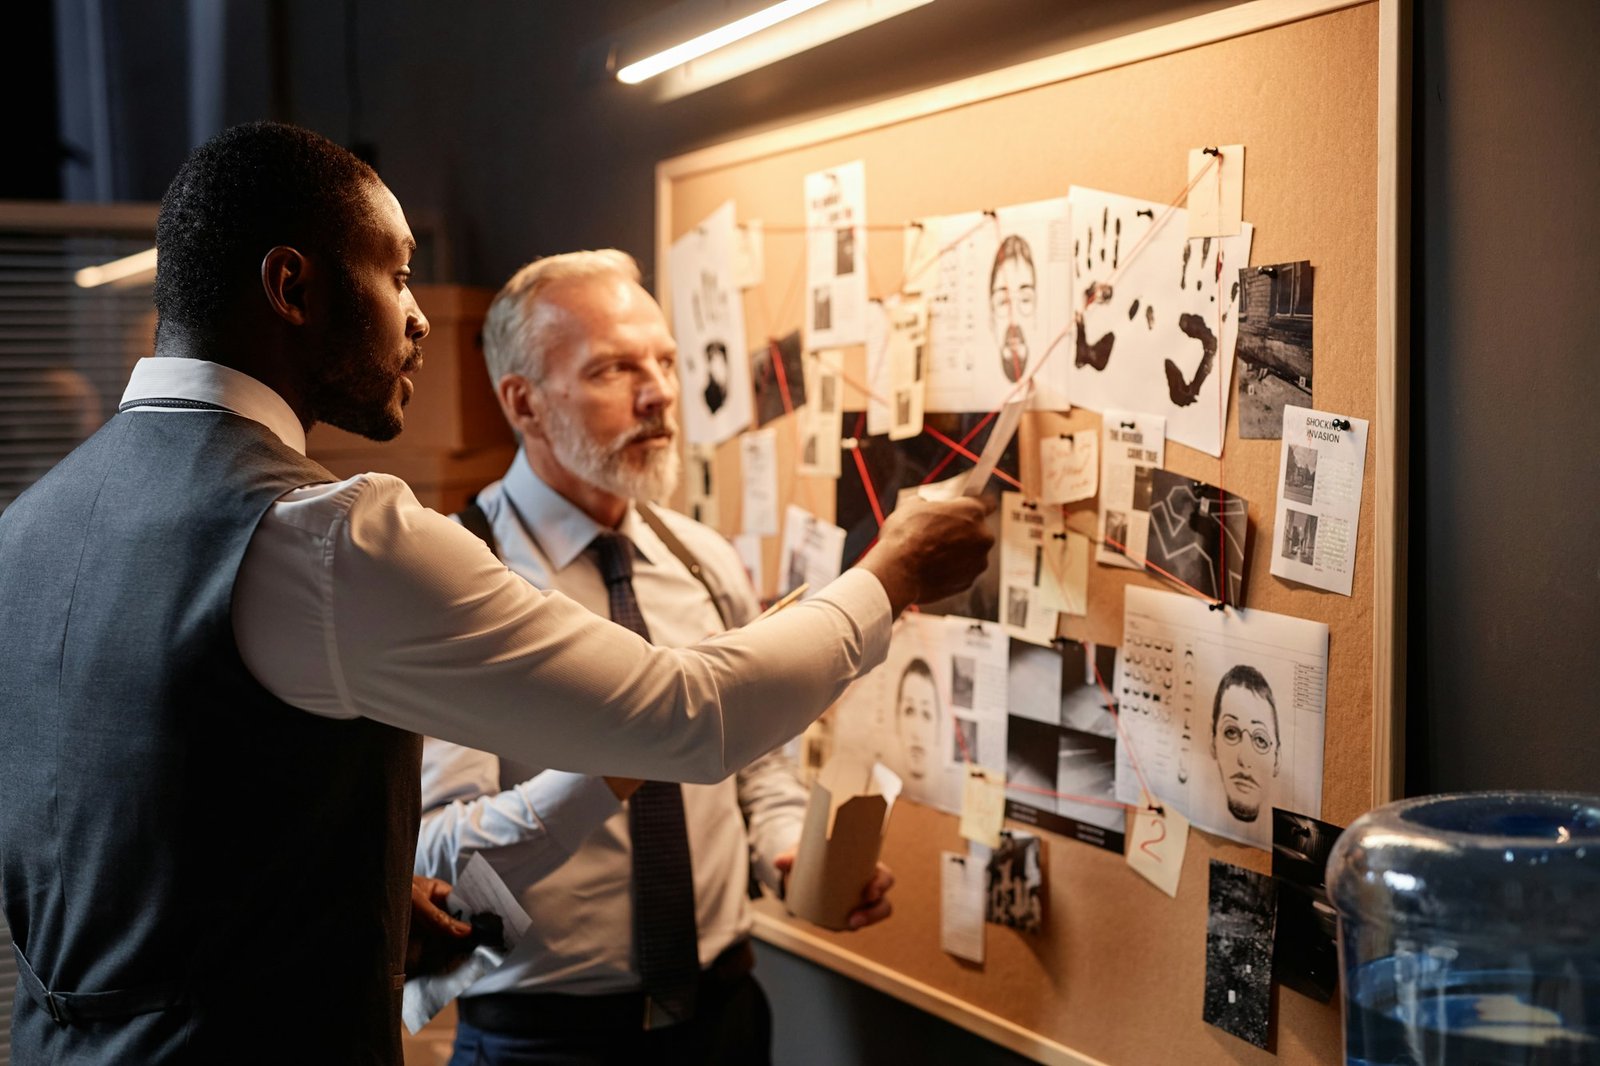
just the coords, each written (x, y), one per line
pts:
(579, 941)
(354, 600)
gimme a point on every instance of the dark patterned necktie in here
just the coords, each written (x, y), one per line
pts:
(664, 936)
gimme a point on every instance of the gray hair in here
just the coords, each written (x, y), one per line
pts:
(521, 327)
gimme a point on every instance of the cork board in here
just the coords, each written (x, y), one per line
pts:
(1314, 90)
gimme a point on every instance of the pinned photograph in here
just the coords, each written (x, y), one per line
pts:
(1305, 957)
(1016, 881)
(1274, 347)
(780, 379)
(1197, 535)
(1061, 743)
(1239, 924)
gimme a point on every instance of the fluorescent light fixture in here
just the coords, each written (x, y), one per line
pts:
(131, 269)
(694, 48)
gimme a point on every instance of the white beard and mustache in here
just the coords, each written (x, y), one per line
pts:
(606, 465)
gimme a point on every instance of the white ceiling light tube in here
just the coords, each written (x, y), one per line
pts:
(696, 47)
(128, 268)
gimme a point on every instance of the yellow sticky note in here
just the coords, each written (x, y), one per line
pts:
(1157, 843)
(983, 805)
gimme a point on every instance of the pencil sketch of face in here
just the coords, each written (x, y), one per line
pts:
(1012, 304)
(916, 718)
(1244, 740)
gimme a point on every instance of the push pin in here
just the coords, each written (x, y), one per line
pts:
(1341, 423)
(1270, 272)
(1213, 151)
(1218, 606)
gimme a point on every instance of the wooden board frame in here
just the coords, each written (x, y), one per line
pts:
(1390, 357)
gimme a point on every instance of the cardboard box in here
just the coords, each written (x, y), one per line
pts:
(846, 820)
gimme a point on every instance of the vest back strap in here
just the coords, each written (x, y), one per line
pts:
(74, 1008)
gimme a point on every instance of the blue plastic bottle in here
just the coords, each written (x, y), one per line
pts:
(1469, 931)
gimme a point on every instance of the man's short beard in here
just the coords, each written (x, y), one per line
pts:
(1243, 813)
(607, 465)
(350, 386)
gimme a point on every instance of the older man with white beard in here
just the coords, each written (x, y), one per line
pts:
(639, 948)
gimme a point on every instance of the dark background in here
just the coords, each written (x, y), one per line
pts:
(497, 131)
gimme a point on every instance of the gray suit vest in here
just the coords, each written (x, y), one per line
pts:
(182, 856)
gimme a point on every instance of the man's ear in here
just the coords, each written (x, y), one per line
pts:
(285, 278)
(516, 397)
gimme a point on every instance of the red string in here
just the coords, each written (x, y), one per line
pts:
(776, 353)
(866, 482)
(967, 453)
(1095, 800)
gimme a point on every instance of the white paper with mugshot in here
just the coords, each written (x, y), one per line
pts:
(998, 287)
(1223, 712)
(717, 400)
(1319, 498)
(937, 703)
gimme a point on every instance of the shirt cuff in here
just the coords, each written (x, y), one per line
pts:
(571, 806)
(862, 598)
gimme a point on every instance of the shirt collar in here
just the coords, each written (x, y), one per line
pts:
(563, 530)
(168, 377)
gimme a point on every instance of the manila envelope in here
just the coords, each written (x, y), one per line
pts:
(846, 819)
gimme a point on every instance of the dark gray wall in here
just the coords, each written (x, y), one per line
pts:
(480, 118)
(1505, 515)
